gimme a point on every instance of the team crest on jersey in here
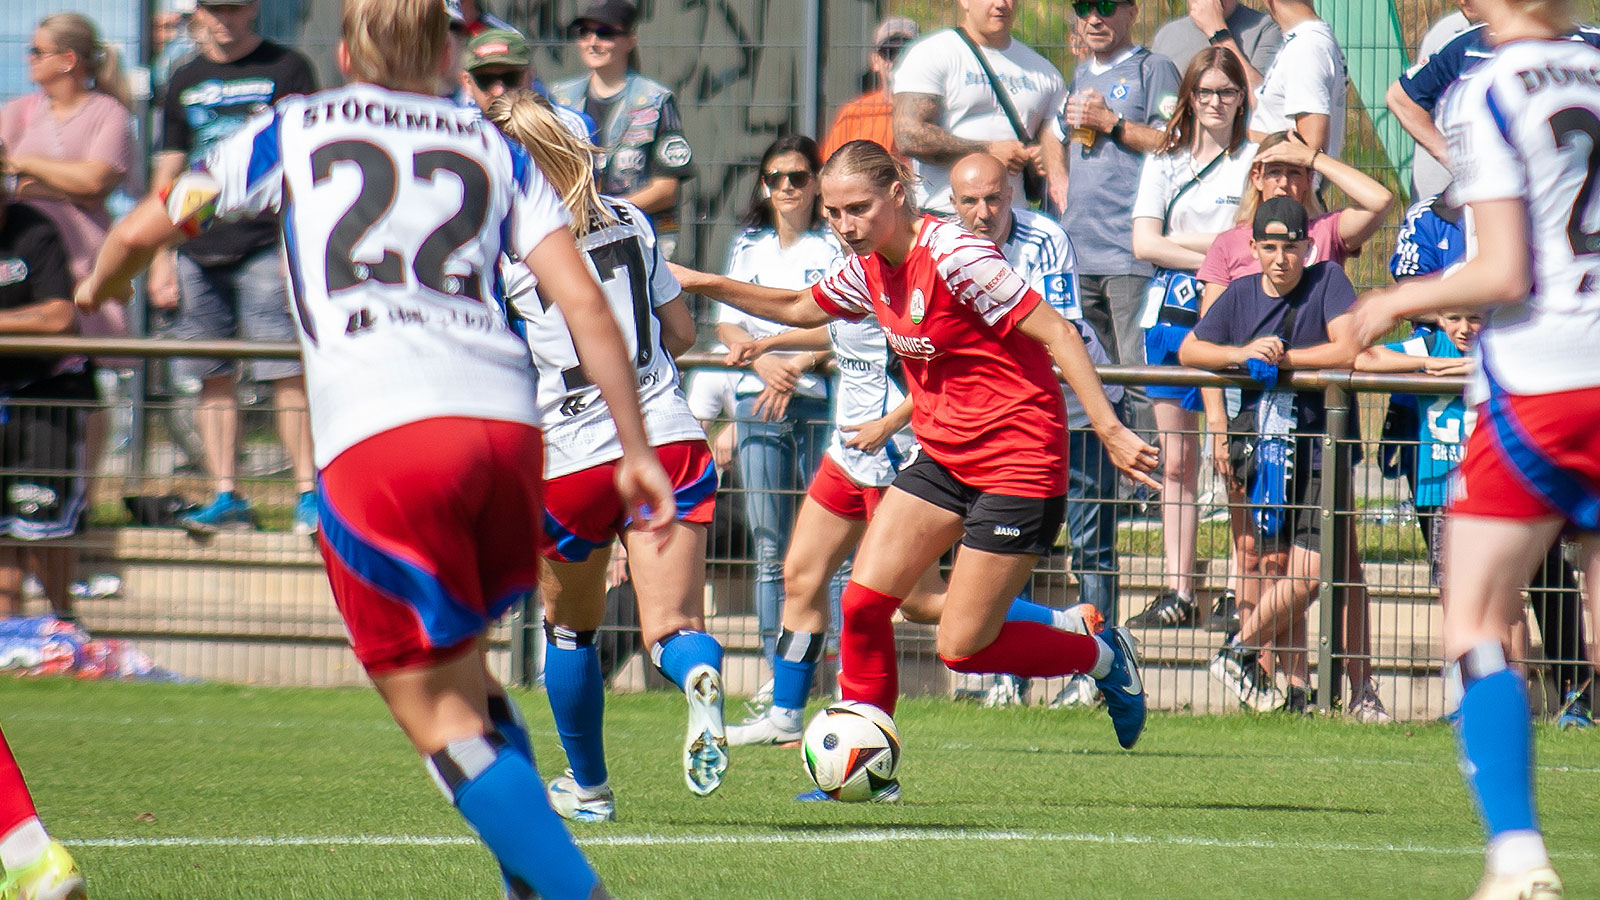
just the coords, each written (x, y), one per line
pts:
(1120, 92)
(12, 271)
(814, 275)
(919, 307)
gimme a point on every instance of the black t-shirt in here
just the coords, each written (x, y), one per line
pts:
(1245, 312)
(599, 108)
(33, 269)
(206, 101)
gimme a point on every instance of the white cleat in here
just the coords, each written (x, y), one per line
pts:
(568, 804)
(1535, 884)
(761, 731)
(705, 748)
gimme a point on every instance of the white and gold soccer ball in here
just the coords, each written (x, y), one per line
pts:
(852, 751)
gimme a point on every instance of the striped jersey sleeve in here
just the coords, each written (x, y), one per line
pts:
(845, 294)
(248, 167)
(980, 278)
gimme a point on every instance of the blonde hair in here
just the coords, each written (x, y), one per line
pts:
(566, 160)
(77, 34)
(1250, 200)
(881, 169)
(395, 43)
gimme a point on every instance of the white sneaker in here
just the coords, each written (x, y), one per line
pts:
(564, 799)
(1535, 884)
(1366, 708)
(1007, 690)
(761, 731)
(1240, 672)
(1079, 691)
(705, 748)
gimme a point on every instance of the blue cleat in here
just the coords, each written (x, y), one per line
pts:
(225, 511)
(1123, 688)
(306, 520)
(889, 793)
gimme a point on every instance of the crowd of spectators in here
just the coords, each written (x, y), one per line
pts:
(1161, 168)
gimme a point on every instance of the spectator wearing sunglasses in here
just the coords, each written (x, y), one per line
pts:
(781, 404)
(1121, 97)
(644, 155)
(869, 117)
(498, 60)
(1251, 34)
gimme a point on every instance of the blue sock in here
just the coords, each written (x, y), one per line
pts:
(576, 689)
(677, 653)
(798, 654)
(507, 720)
(1496, 744)
(500, 795)
(1023, 610)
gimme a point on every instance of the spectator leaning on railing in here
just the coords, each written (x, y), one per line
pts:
(1290, 316)
(1121, 98)
(870, 117)
(1252, 36)
(229, 281)
(35, 299)
(946, 105)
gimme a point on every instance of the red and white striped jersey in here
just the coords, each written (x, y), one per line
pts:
(396, 208)
(986, 401)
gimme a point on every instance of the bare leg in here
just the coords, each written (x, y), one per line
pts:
(818, 546)
(54, 566)
(217, 419)
(294, 428)
(1180, 474)
(10, 583)
(669, 577)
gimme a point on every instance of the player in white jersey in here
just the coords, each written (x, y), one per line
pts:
(584, 514)
(396, 207)
(1524, 135)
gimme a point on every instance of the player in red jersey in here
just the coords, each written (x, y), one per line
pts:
(987, 409)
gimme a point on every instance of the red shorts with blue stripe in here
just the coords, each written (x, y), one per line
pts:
(1533, 456)
(427, 531)
(583, 512)
(835, 491)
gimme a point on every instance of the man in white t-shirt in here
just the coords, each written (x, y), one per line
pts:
(1304, 89)
(945, 106)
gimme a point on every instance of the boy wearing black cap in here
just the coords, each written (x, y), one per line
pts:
(1290, 316)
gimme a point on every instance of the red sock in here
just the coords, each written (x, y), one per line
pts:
(1032, 650)
(868, 671)
(16, 804)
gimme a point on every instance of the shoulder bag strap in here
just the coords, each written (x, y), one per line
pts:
(1000, 95)
(1201, 176)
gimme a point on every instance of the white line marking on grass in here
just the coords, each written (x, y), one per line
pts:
(862, 836)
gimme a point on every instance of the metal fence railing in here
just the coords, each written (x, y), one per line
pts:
(253, 606)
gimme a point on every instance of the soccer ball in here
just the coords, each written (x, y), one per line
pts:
(851, 750)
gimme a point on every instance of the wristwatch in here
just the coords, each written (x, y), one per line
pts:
(1116, 130)
(1220, 36)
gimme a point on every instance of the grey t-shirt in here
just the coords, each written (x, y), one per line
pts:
(1258, 36)
(1141, 87)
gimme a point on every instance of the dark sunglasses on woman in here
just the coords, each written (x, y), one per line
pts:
(603, 32)
(797, 180)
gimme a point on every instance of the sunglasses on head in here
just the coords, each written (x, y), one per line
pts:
(508, 80)
(797, 180)
(1106, 8)
(603, 32)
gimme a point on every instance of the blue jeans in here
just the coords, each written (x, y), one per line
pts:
(776, 460)
(1092, 521)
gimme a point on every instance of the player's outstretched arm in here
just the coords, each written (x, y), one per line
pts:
(127, 251)
(1500, 274)
(640, 479)
(1128, 451)
(795, 308)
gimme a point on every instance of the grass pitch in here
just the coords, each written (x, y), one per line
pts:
(195, 792)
